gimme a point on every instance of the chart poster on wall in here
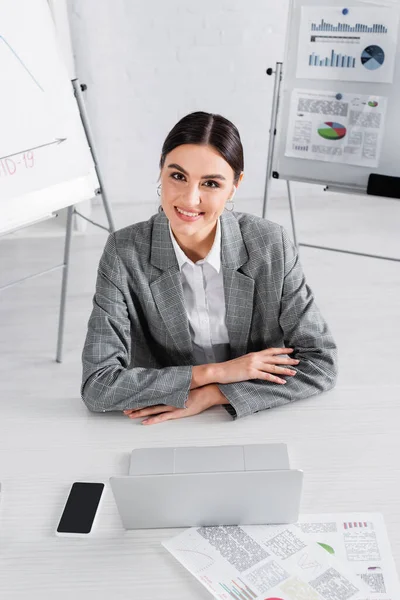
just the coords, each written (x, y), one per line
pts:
(347, 44)
(333, 127)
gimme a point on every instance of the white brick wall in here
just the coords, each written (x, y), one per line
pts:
(148, 63)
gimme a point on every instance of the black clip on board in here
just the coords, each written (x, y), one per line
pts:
(383, 185)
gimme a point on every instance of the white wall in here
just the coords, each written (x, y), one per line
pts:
(148, 63)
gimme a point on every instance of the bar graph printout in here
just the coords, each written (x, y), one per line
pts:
(264, 563)
(344, 128)
(359, 45)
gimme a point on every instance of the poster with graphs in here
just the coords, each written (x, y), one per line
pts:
(348, 44)
(340, 128)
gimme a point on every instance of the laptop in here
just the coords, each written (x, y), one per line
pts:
(208, 485)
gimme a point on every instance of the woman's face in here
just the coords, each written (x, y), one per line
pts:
(196, 182)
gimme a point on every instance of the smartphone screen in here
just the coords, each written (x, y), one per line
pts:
(81, 507)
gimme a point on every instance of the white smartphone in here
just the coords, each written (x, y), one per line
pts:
(80, 509)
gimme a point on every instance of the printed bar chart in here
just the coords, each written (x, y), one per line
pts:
(356, 525)
(335, 60)
(357, 28)
(240, 591)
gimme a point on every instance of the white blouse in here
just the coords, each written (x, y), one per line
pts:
(203, 291)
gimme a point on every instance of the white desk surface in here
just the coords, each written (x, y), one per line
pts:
(347, 442)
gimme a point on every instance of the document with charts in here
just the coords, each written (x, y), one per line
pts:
(360, 541)
(341, 128)
(264, 563)
(357, 43)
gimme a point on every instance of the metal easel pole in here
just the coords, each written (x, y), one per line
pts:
(292, 213)
(64, 284)
(272, 130)
(78, 89)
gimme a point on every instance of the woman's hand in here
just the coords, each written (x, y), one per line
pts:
(265, 364)
(198, 401)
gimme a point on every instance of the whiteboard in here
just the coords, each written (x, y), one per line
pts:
(45, 161)
(345, 176)
(59, 11)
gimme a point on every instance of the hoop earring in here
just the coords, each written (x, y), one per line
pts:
(233, 205)
(159, 190)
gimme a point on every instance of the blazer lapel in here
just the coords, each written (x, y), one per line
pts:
(238, 287)
(167, 289)
(168, 293)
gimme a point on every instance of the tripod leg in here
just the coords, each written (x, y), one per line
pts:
(85, 122)
(292, 214)
(64, 284)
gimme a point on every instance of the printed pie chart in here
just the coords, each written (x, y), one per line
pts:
(327, 547)
(332, 131)
(372, 103)
(372, 57)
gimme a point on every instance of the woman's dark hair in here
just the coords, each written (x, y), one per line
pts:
(207, 129)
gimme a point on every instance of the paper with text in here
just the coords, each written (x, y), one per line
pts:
(264, 563)
(334, 127)
(359, 540)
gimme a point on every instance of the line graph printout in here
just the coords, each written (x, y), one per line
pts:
(340, 128)
(360, 541)
(264, 563)
(42, 141)
(359, 45)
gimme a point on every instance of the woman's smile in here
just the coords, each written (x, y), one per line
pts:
(187, 215)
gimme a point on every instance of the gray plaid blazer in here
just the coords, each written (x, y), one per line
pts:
(138, 349)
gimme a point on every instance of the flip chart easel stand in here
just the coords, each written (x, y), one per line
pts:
(78, 89)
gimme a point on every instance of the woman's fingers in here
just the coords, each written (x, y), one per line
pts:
(273, 351)
(272, 360)
(268, 371)
(273, 378)
(166, 416)
(274, 356)
(280, 370)
(271, 368)
(150, 410)
(281, 360)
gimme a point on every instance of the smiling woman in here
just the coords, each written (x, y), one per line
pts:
(201, 167)
(201, 306)
(193, 202)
